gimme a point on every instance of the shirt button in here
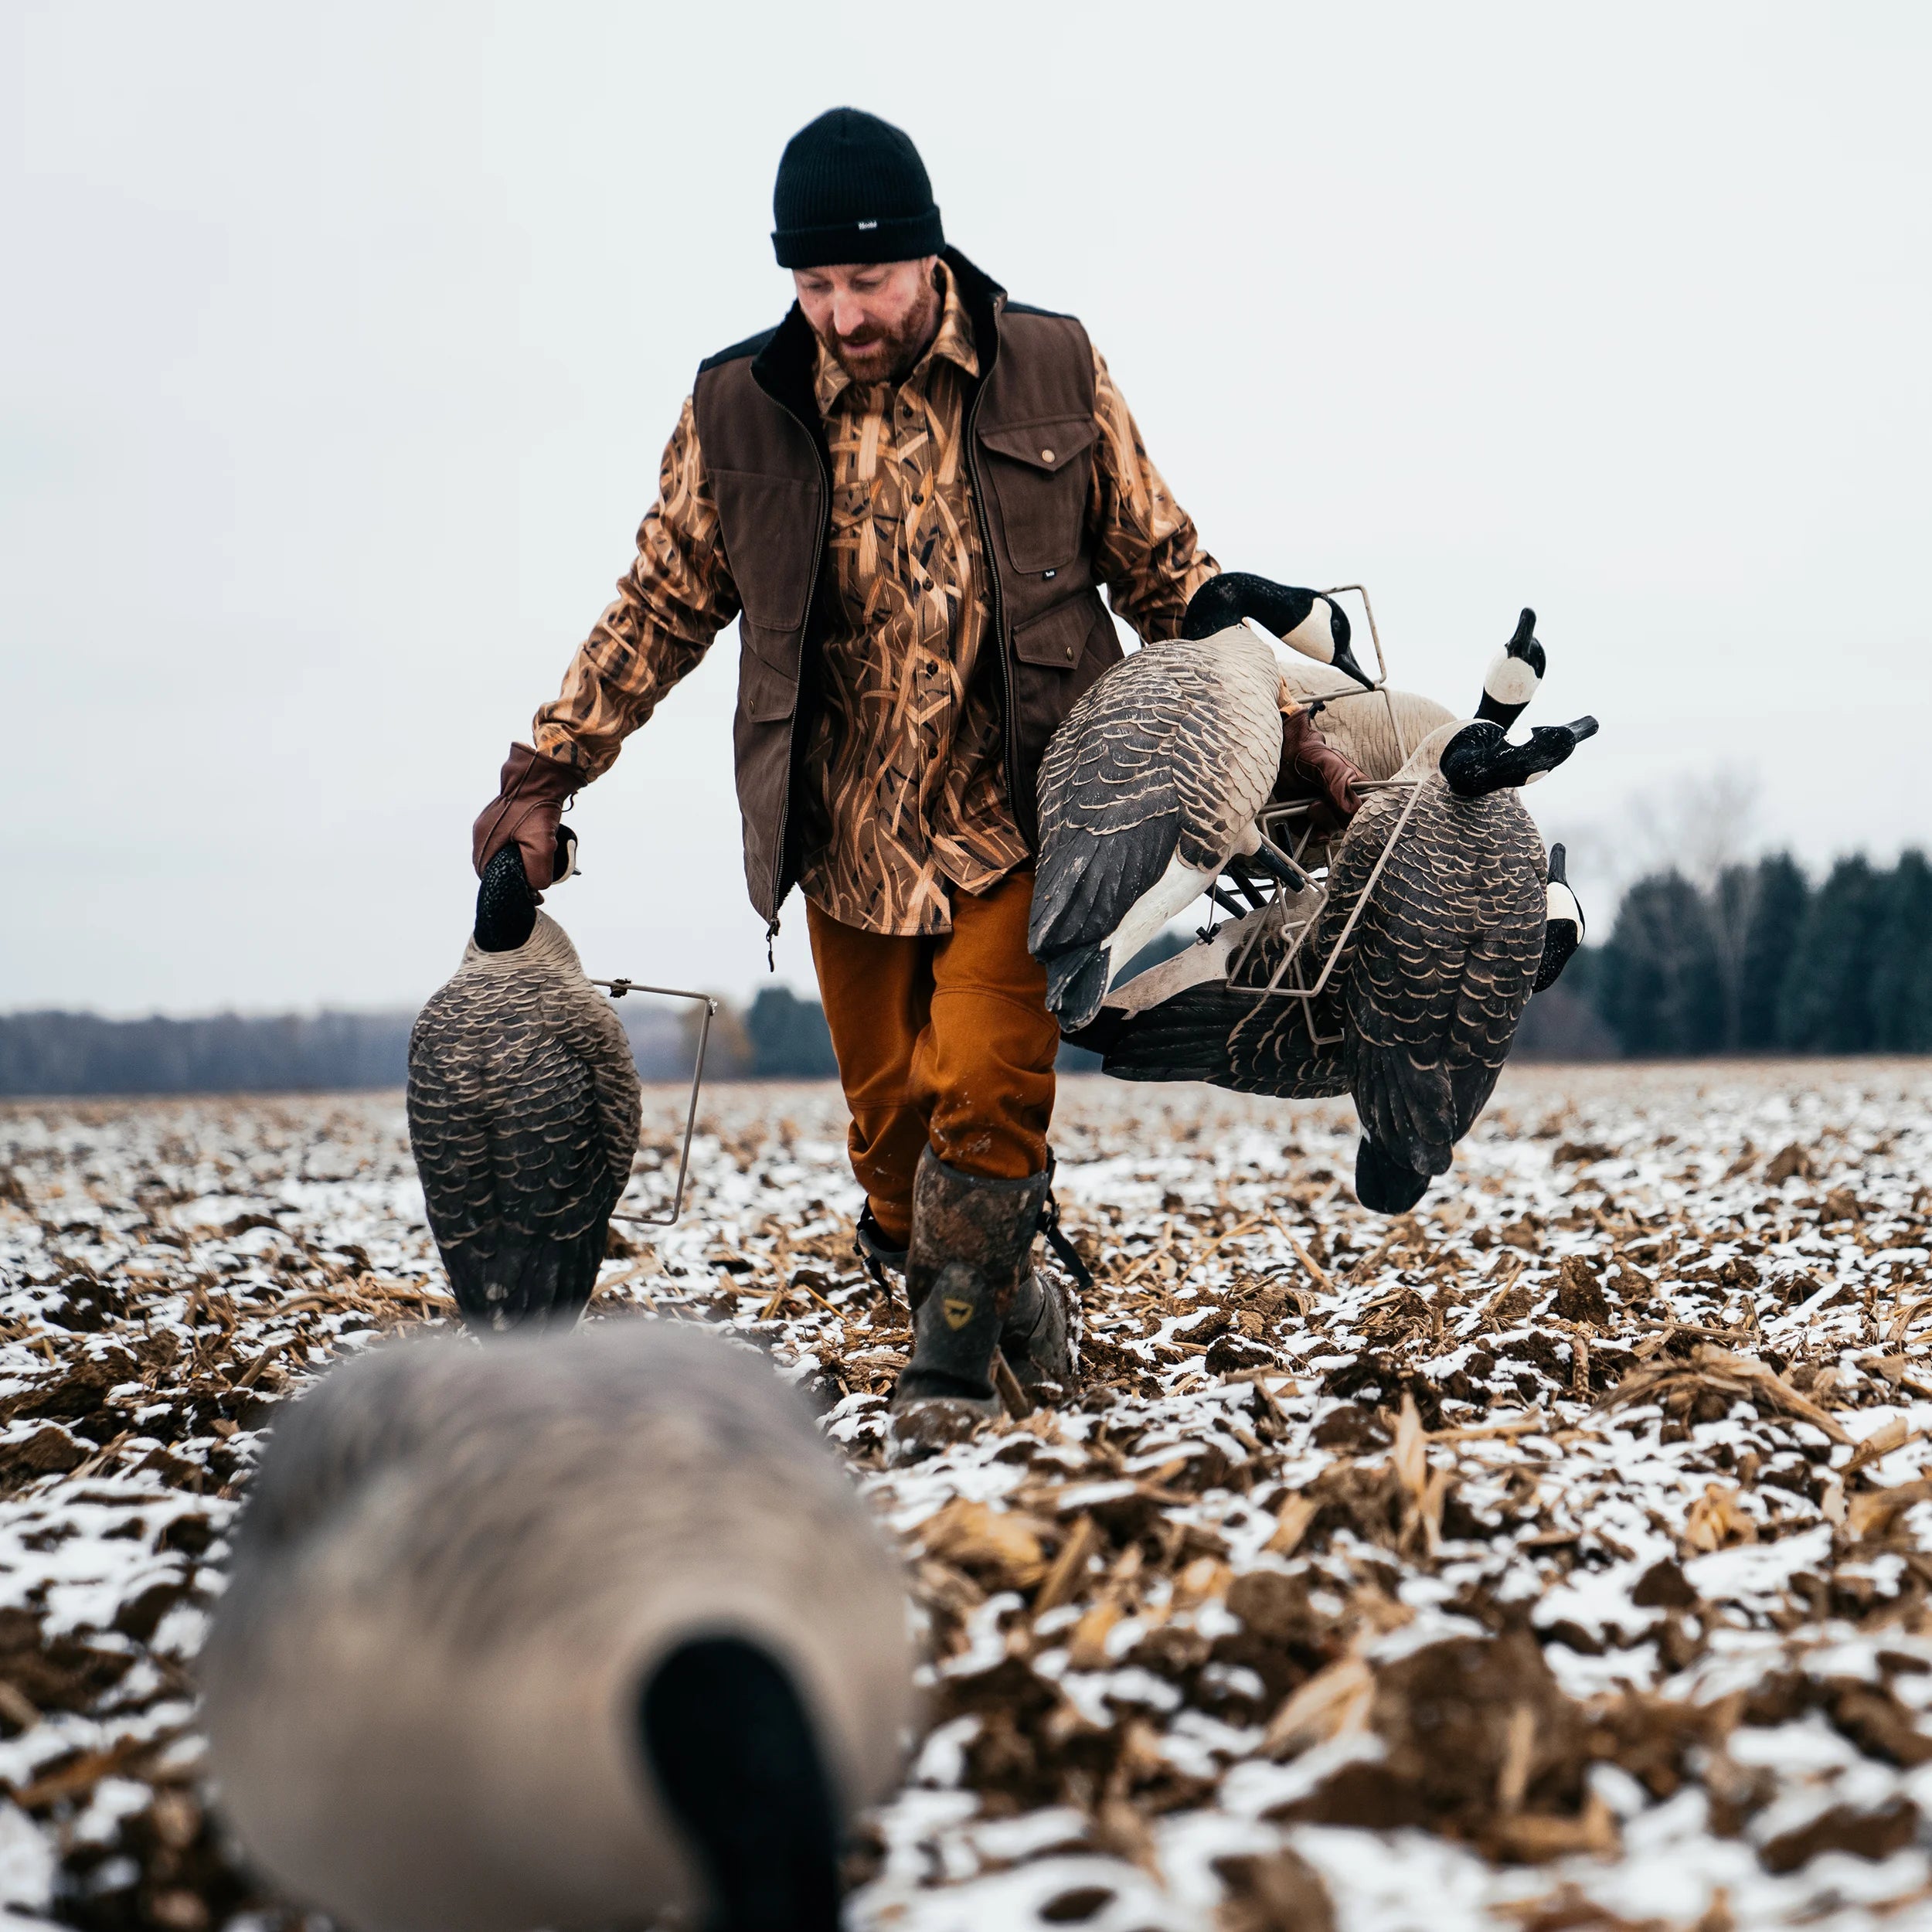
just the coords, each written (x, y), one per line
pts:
(1046, 456)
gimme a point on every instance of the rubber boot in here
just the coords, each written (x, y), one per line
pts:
(970, 1238)
(1037, 1338)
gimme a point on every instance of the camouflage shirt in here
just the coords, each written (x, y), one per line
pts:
(903, 787)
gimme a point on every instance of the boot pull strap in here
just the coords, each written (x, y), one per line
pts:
(870, 1245)
(1069, 1256)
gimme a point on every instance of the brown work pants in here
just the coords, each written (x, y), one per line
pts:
(942, 1041)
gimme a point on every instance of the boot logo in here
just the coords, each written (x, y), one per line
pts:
(957, 1312)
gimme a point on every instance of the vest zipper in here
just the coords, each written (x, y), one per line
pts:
(798, 697)
(989, 562)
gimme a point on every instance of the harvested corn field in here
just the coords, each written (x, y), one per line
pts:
(1556, 1557)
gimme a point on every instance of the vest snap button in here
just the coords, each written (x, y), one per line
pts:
(1046, 456)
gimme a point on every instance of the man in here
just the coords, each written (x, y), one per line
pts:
(909, 493)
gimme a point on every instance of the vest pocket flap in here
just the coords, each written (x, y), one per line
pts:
(1057, 641)
(1050, 446)
(766, 693)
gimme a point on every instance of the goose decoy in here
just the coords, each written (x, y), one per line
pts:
(1150, 788)
(1563, 928)
(523, 1110)
(566, 1632)
(1425, 995)
(1514, 673)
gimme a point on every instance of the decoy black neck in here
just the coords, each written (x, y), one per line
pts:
(1479, 760)
(1513, 676)
(1223, 601)
(505, 905)
(731, 1749)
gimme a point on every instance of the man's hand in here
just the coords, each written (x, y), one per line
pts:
(527, 809)
(1312, 768)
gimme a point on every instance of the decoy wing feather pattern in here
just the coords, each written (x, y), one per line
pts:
(524, 1106)
(1171, 753)
(1188, 1038)
(1455, 932)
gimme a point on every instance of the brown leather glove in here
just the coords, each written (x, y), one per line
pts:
(535, 790)
(1312, 768)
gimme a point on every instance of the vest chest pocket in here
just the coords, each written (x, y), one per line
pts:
(1039, 473)
(769, 526)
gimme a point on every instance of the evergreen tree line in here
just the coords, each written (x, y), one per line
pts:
(1762, 962)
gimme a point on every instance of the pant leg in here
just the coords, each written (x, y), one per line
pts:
(877, 990)
(982, 1069)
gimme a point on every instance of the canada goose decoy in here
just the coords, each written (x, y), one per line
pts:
(1563, 929)
(1424, 998)
(1150, 788)
(1514, 673)
(564, 1632)
(523, 1110)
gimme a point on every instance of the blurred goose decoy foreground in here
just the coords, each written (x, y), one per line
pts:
(564, 1632)
(523, 1110)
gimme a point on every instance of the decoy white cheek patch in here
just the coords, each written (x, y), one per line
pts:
(1509, 680)
(1563, 905)
(1313, 636)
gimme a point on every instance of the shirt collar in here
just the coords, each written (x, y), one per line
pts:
(954, 341)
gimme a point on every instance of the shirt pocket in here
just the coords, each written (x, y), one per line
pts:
(1039, 472)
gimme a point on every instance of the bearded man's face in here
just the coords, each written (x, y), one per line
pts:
(877, 318)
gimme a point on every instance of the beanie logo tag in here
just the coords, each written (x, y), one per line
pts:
(869, 224)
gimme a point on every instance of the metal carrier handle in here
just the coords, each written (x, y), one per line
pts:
(1274, 816)
(617, 988)
(1381, 667)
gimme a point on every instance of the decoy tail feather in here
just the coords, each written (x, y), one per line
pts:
(1383, 1185)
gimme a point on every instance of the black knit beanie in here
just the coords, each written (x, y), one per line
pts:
(852, 189)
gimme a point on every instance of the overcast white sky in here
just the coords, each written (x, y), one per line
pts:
(340, 345)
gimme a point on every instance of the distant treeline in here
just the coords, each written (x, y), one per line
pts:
(780, 1035)
(1762, 962)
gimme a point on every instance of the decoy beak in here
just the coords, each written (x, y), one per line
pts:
(1558, 874)
(1324, 635)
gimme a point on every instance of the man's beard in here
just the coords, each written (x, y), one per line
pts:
(884, 357)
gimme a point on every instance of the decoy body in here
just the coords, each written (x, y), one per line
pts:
(1151, 786)
(562, 1632)
(523, 1111)
(1424, 997)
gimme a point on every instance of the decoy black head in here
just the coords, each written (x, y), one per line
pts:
(505, 905)
(730, 1747)
(1514, 674)
(1305, 620)
(1479, 760)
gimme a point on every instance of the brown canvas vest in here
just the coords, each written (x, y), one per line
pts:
(1030, 450)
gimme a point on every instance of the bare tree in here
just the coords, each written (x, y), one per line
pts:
(1703, 828)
